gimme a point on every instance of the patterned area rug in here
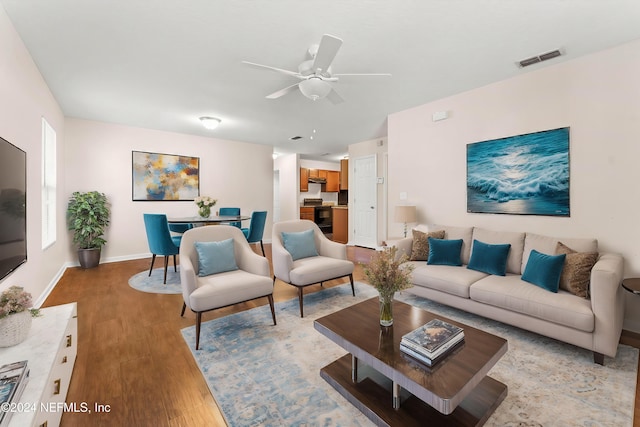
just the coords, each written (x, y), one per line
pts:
(153, 284)
(265, 375)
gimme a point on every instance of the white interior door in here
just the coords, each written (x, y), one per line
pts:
(365, 202)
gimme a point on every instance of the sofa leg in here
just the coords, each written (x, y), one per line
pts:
(353, 290)
(198, 321)
(598, 358)
(273, 311)
(300, 301)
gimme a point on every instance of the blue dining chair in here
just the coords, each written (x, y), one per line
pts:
(179, 228)
(256, 228)
(160, 241)
(230, 212)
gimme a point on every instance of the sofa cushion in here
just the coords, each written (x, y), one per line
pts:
(512, 293)
(515, 239)
(445, 278)
(463, 233)
(491, 259)
(547, 245)
(576, 274)
(300, 244)
(215, 257)
(544, 270)
(444, 252)
(420, 244)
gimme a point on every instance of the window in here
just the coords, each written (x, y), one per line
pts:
(48, 184)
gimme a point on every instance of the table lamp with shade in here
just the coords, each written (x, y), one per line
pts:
(405, 214)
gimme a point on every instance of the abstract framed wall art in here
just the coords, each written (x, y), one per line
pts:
(521, 175)
(157, 176)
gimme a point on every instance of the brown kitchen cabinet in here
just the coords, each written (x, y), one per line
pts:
(314, 173)
(344, 174)
(304, 179)
(307, 213)
(340, 224)
(333, 182)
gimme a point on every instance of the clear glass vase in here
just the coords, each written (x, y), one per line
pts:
(386, 310)
(204, 211)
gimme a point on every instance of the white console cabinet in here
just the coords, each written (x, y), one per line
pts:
(51, 350)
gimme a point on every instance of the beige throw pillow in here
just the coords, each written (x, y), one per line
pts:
(576, 273)
(420, 247)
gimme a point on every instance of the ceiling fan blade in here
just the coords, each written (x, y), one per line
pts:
(329, 46)
(335, 97)
(279, 70)
(366, 74)
(283, 92)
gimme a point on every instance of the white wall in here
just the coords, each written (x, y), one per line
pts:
(25, 100)
(598, 96)
(98, 157)
(289, 169)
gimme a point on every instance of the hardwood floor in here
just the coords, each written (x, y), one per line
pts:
(131, 354)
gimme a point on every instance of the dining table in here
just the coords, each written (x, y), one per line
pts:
(210, 220)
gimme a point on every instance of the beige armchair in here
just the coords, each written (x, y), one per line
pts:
(318, 261)
(207, 274)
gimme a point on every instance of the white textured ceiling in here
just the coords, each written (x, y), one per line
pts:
(161, 64)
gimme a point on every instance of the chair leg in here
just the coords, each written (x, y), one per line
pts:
(153, 259)
(198, 321)
(353, 289)
(300, 301)
(184, 306)
(175, 266)
(262, 247)
(273, 310)
(166, 264)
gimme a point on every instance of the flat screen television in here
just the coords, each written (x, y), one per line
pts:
(13, 207)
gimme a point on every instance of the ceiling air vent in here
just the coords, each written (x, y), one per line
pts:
(295, 138)
(539, 58)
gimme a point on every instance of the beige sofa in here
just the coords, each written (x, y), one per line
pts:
(594, 323)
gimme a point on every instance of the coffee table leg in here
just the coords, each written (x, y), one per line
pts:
(354, 368)
(396, 395)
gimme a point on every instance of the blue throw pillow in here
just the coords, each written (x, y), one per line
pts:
(300, 245)
(544, 270)
(215, 257)
(444, 252)
(490, 259)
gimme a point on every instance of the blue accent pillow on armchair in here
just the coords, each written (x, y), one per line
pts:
(544, 270)
(444, 252)
(301, 244)
(490, 259)
(215, 257)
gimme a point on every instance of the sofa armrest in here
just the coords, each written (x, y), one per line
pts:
(188, 279)
(607, 302)
(404, 246)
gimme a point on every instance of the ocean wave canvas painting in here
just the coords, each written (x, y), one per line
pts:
(522, 175)
(158, 176)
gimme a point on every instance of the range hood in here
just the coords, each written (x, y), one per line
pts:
(316, 180)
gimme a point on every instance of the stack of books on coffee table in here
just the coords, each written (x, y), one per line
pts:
(432, 341)
(13, 379)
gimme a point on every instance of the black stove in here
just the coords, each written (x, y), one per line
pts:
(322, 215)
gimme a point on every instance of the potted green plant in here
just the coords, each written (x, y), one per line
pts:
(88, 216)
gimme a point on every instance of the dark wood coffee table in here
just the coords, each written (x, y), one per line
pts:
(393, 389)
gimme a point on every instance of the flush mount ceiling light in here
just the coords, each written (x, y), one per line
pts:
(210, 122)
(314, 88)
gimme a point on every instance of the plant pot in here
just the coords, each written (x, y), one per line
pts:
(89, 258)
(15, 328)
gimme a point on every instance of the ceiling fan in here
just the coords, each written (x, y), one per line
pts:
(315, 74)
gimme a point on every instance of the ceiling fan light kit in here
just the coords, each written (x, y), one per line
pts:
(314, 88)
(210, 122)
